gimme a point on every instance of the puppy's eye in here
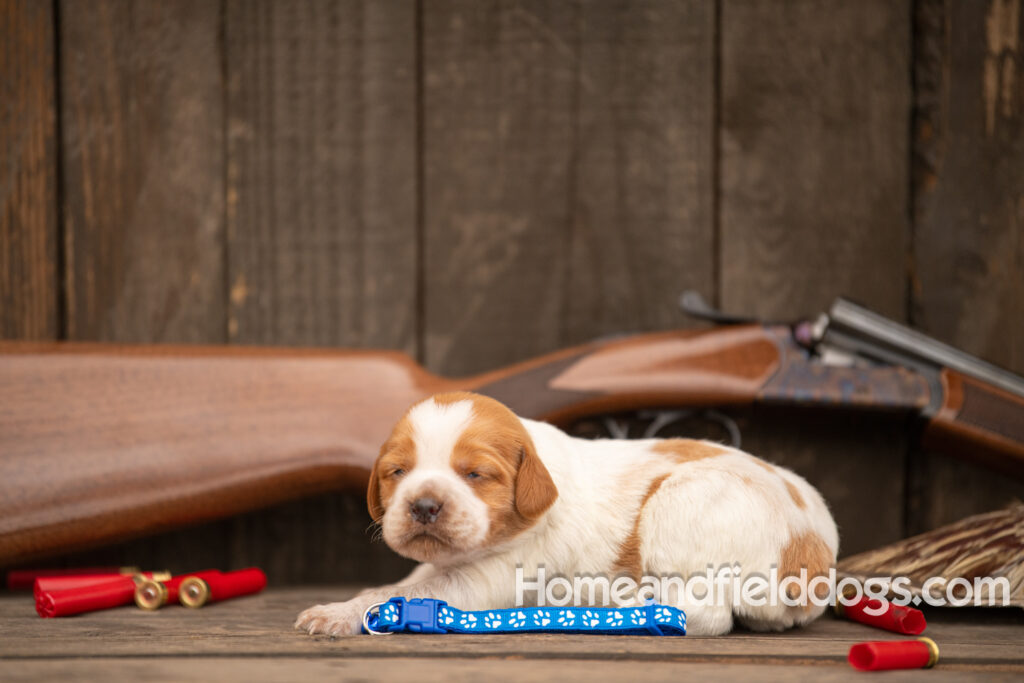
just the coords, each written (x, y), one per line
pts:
(397, 472)
(472, 475)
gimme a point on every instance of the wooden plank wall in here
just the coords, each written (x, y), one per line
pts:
(142, 171)
(967, 275)
(813, 144)
(29, 260)
(478, 181)
(321, 226)
(578, 202)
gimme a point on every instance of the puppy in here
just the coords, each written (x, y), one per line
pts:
(472, 491)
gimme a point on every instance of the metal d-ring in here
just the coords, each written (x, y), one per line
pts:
(366, 621)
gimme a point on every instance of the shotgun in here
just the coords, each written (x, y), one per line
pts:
(100, 443)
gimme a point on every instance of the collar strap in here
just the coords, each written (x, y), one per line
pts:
(426, 615)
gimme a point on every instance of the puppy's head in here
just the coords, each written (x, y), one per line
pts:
(459, 474)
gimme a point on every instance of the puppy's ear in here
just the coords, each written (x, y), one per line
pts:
(535, 491)
(373, 501)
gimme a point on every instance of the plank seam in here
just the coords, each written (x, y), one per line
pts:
(222, 49)
(62, 283)
(419, 222)
(716, 156)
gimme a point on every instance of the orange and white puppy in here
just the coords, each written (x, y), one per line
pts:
(472, 491)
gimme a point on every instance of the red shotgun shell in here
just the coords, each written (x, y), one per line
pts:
(196, 591)
(109, 593)
(922, 653)
(104, 593)
(47, 584)
(895, 618)
(153, 594)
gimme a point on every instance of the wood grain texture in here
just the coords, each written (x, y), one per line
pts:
(168, 436)
(261, 627)
(143, 170)
(969, 185)
(981, 423)
(28, 172)
(321, 219)
(953, 489)
(429, 668)
(815, 96)
(815, 100)
(969, 216)
(322, 173)
(685, 367)
(567, 173)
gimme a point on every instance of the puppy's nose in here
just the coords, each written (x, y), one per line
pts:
(425, 510)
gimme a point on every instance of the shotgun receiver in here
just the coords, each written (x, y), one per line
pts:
(101, 442)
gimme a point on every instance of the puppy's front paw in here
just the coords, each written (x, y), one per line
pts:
(335, 619)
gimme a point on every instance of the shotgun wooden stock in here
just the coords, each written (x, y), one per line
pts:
(101, 443)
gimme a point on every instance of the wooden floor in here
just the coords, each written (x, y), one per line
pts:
(252, 639)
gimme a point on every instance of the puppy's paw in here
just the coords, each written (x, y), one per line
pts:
(335, 619)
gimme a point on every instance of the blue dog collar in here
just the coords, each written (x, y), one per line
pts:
(426, 615)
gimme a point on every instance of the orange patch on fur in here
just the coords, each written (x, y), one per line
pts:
(687, 450)
(752, 483)
(399, 451)
(451, 397)
(513, 481)
(769, 494)
(629, 560)
(794, 494)
(515, 485)
(806, 550)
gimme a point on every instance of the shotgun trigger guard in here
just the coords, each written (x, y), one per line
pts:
(616, 429)
(660, 419)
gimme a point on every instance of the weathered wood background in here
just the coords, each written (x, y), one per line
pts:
(478, 181)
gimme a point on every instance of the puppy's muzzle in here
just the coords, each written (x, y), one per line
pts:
(425, 510)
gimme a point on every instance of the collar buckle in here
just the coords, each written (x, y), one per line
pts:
(419, 615)
(398, 615)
